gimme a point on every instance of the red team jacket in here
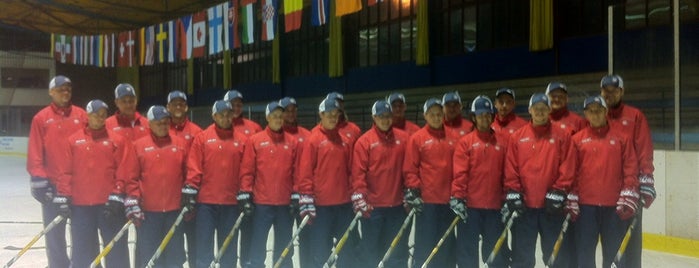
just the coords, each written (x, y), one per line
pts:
(539, 159)
(130, 130)
(213, 165)
(161, 173)
(298, 132)
(187, 130)
(479, 164)
(50, 127)
(428, 164)
(268, 168)
(633, 122)
(508, 124)
(346, 128)
(567, 120)
(377, 164)
(606, 164)
(246, 126)
(406, 126)
(458, 128)
(98, 163)
(325, 168)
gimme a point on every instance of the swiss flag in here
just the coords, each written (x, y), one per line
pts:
(199, 34)
(125, 49)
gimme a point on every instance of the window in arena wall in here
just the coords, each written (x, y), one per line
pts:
(24, 78)
(385, 33)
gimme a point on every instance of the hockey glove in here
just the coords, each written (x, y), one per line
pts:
(412, 200)
(515, 202)
(245, 203)
(572, 206)
(42, 190)
(647, 189)
(628, 204)
(62, 205)
(133, 211)
(294, 204)
(189, 197)
(359, 204)
(459, 207)
(554, 202)
(114, 208)
(307, 206)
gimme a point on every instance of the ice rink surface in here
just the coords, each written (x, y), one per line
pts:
(20, 221)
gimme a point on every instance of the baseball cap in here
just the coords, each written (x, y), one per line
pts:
(556, 85)
(328, 105)
(612, 80)
(450, 97)
(286, 101)
(272, 106)
(335, 96)
(380, 107)
(220, 106)
(232, 94)
(123, 90)
(482, 104)
(58, 81)
(157, 112)
(95, 105)
(431, 102)
(539, 98)
(394, 97)
(505, 90)
(594, 99)
(176, 94)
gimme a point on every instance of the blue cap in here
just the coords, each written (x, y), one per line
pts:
(539, 98)
(272, 106)
(95, 105)
(328, 105)
(431, 102)
(482, 104)
(612, 80)
(220, 106)
(123, 90)
(58, 81)
(176, 94)
(505, 90)
(556, 85)
(286, 101)
(380, 107)
(594, 99)
(157, 112)
(232, 95)
(335, 96)
(394, 97)
(451, 97)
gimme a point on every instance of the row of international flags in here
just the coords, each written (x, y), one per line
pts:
(221, 27)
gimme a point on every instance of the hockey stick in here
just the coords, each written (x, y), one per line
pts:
(278, 263)
(167, 238)
(109, 246)
(624, 243)
(501, 240)
(397, 238)
(441, 241)
(559, 241)
(227, 241)
(341, 242)
(48, 228)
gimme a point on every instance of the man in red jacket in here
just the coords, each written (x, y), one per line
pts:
(92, 177)
(398, 106)
(51, 126)
(377, 185)
(346, 128)
(213, 172)
(324, 184)
(606, 186)
(454, 124)
(240, 124)
(427, 169)
(476, 192)
(633, 122)
(267, 180)
(157, 189)
(127, 121)
(506, 120)
(539, 169)
(558, 93)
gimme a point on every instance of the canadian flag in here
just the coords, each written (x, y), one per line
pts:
(199, 34)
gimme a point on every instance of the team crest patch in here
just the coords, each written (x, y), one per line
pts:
(612, 142)
(76, 121)
(174, 149)
(397, 142)
(187, 136)
(512, 131)
(105, 143)
(247, 131)
(286, 147)
(563, 125)
(461, 133)
(497, 147)
(624, 122)
(235, 144)
(551, 141)
(349, 135)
